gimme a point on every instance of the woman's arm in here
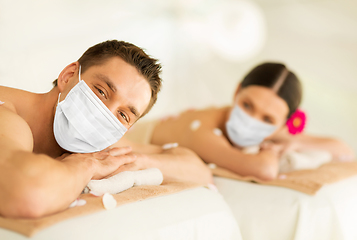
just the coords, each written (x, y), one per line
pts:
(217, 149)
(339, 150)
(213, 148)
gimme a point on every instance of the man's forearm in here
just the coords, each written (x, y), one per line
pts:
(34, 185)
(181, 163)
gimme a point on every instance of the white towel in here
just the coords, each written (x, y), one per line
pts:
(124, 180)
(297, 160)
(307, 159)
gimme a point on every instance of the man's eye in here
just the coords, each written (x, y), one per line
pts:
(101, 92)
(123, 116)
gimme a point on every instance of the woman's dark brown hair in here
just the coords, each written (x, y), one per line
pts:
(277, 77)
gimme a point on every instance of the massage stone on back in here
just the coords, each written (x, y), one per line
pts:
(125, 180)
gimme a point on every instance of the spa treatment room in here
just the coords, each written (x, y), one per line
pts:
(178, 120)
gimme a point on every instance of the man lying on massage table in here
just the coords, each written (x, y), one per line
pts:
(93, 103)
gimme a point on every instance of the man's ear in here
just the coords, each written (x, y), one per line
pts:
(65, 76)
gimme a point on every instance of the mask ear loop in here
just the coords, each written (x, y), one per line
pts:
(79, 73)
(58, 98)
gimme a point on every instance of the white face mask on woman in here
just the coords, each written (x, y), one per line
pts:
(244, 130)
(83, 124)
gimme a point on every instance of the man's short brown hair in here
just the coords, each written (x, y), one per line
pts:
(148, 67)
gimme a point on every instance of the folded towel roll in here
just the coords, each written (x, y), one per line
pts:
(125, 180)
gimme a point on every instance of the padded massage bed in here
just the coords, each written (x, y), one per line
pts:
(197, 214)
(280, 213)
(277, 213)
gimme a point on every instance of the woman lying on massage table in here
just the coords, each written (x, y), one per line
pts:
(264, 116)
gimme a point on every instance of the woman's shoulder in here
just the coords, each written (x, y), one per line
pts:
(211, 117)
(210, 111)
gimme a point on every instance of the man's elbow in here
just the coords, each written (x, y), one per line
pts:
(200, 173)
(24, 204)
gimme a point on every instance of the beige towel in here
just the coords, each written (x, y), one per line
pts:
(29, 227)
(306, 181)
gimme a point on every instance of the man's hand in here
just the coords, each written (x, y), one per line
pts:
(140, 163)
(105, 162)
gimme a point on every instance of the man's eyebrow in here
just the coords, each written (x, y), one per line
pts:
(107, 81)
(114, 89)
(134, 111)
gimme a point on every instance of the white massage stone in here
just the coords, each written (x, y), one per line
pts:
(1, 103)
(95, 193)
(212, 165)
(217, 132)
(251, 150)
(81, 202)
(195, 125)
(109, 201)
(212, 187)
(73, 204)
(169, 146)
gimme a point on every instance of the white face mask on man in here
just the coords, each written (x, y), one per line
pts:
(244, 130)
(83, 124)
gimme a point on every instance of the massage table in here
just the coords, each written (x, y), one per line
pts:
(197, 214)
(241, 210)
(277, 213)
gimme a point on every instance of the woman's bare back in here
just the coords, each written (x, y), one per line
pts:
(180, 128)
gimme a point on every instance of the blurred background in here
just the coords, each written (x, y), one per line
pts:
(205, 47)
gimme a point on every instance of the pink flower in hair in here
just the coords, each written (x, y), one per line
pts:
(296, 123)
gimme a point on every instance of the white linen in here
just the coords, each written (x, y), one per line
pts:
(195, 214)
(269, 212)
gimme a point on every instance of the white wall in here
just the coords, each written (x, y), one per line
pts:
(317, 39)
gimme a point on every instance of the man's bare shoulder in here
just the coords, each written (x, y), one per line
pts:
(6, 99)
(14, 131)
